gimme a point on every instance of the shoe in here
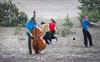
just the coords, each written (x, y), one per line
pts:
(86, 46)
(30, 52)
(37, 52)
(47, 43)
(50, 43)
(92, 45)
(56, 38)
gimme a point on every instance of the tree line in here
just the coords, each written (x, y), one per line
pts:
(90, 8)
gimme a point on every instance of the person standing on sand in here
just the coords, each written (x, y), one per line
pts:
(86, 33)
(30, 25)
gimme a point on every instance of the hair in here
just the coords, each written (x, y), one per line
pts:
(53, 20)
(42, 23)
(85, 17)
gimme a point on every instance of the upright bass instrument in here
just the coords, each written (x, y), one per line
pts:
(38, 41)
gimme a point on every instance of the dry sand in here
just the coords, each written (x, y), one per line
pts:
(49, 8)
(13, 48)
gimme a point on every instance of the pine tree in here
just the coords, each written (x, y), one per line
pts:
(10, 14)
(90, 8)
(67, 26)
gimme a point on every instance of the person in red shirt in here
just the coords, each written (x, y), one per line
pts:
(52, 27)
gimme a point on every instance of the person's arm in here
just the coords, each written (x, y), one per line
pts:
(27, 30)
(55, 27)
(88, 23)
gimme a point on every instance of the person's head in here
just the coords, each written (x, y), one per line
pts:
(42, 23)
(53, 20)
(85, 17)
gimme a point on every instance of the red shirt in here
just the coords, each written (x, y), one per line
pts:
(52, 26)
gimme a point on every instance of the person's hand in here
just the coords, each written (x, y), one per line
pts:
(33, 12)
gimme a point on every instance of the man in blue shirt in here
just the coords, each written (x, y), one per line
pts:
(30, 25)
(86, 33)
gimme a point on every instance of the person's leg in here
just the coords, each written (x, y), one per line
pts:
(53, 35)
(49, 37)
(90, 38)
(46, 38)
(29, 44)
(85, 38)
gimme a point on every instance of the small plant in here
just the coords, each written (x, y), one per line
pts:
(63, 33)
(18, 29)
(66, 27)
(57, 30)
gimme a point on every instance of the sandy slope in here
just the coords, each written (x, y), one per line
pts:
(49, 8)
(13, 48)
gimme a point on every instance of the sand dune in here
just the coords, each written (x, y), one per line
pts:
(49, 8)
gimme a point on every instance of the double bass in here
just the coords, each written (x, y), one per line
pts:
(37, 41)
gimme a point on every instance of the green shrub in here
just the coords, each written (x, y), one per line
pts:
(63, 32)
(10, 14)
(57, 30)
(67, 26)
(90, 8)
(92, 16)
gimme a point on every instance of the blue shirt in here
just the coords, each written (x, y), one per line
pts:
(31, 25)
(85, 24)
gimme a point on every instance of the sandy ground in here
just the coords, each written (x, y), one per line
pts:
(13, 48)
(49, 8)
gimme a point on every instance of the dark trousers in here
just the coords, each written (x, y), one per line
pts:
(29, 43)
(87, 36)
(52, 35)
(47, 37)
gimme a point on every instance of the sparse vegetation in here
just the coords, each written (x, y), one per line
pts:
(67, 26)
(10, 14)
(90, 8)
